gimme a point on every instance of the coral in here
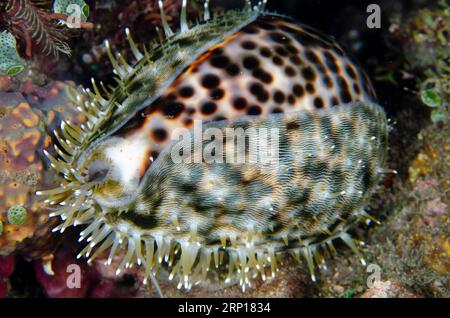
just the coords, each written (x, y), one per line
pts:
(10, 61)
(410, 247)
(33, 21)
(7, 266)
(421, 164)
(28, 115)
(427, 161)
(73, 277)
(35, 26)
(422, 38)
(39, 31)
(387, 289)
(17, 215)
(57, 285)
(416, 253)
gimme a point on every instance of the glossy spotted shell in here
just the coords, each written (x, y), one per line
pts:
(270, 66)
(240, 70)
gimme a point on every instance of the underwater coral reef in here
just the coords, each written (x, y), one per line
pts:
(354, 203)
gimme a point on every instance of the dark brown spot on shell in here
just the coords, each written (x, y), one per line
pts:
(233, 70)
(219, 118)
(312, 57)
(346, 97)
(217, 94)
(262, 75)
(210, 81)
(334, 101)
(159, 134)
(281, 51)
(220, 61)
(279, 37)
(310, 88)
(265, 52)
(289, 70)
(186, 91)
(291, 99)
(298, 90)
(308, 73)
(277, 110)
(279, 97)
(277, 60)
(322, 68)
(318, 102)
(295, 60)
(344, 89)
(209, 108)
(254, 110)
(350, 71)
(218, 51)
(250, 62)
(259, 92)
(248, 45)
(172, 109)
(327, 81)
(330, 61)
(239, 103)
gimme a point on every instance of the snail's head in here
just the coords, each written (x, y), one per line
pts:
(113, 169)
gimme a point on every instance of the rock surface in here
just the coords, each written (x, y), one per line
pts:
(28, 117)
